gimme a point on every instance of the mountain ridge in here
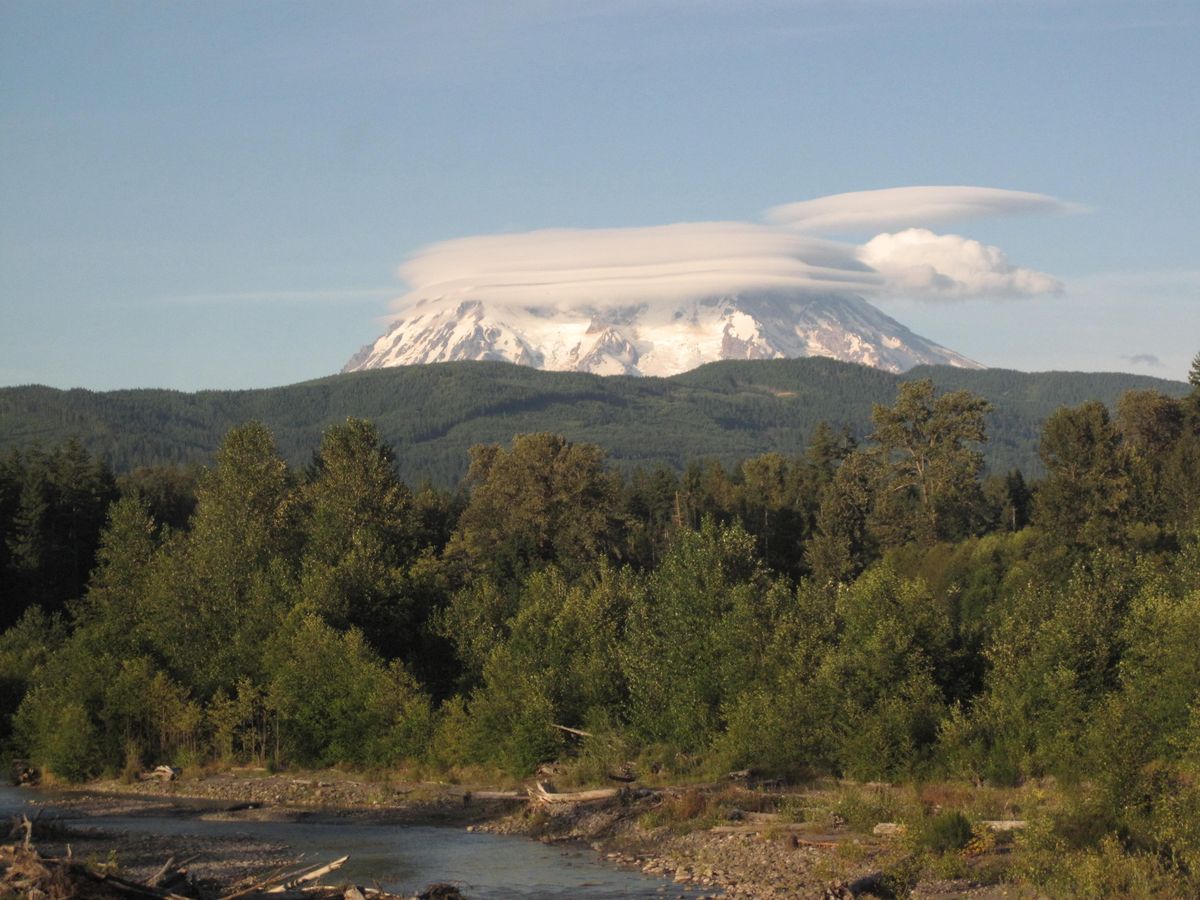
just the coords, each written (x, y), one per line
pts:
(433, 414)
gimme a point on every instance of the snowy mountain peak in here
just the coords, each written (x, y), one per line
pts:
(653, 339)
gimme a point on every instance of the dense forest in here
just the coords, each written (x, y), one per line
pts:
(874, 607)
(432, 415)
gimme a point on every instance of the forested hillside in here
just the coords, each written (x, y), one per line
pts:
(877, 610)
(433, 414)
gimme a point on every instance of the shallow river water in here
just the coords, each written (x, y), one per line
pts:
(406, 858)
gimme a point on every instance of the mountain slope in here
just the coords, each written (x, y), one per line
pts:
(433, 414)
(658, 339)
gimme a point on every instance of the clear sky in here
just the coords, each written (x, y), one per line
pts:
(220, 194)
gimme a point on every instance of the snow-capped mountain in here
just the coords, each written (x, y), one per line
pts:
(653, 339)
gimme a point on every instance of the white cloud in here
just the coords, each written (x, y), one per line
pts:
(907, 207)
(949, 266)
(690, 260)
(618, 265)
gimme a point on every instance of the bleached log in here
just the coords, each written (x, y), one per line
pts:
(162, 773)
(1004, 824)
(543, 794)
(305, 877)
(575, 731)
(495, 795)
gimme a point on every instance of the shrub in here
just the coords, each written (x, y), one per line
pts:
(948, 831)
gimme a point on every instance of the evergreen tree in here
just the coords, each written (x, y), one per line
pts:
(53, 526)
(843, 545)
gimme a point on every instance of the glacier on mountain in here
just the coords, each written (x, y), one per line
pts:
(659, 338)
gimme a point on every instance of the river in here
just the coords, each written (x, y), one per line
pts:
(401, 858)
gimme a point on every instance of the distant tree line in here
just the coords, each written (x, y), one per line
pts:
(431, 415)
(874, 608)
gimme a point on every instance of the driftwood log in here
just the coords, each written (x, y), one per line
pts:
(161, 773)
(892, 828)
(542, 794)
(494, 795)
(578, 732)
(24, 872)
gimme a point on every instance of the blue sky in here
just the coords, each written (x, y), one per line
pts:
(220, 194)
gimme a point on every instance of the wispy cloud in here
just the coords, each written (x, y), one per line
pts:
(689, 260)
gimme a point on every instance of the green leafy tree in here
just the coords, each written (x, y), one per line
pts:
(361, 535)
(219, 591)
(879, 687)
(698, 634)
(24, 650)
(337, 701)
(648, 506)
(1085, 498)
(544, 501)
(929, 444)
(781, 723)
(89, 709)
(115, 607)
(1054, 657)
(559, 665)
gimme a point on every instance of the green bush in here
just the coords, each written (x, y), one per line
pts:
(948, 831)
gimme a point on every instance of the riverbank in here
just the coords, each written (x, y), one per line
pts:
(732, 840)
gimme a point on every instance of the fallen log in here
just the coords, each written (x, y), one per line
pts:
(26, 873)
(890, 828)
(305, 877)
(1004, 824)
(543, 794)
(162, 773)
(578, 732)
(494, 795)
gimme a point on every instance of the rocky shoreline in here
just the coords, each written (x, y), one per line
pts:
(770, 859)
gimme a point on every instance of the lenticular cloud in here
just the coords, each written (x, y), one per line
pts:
(909, 207)
(667, 263)
(615, 265)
